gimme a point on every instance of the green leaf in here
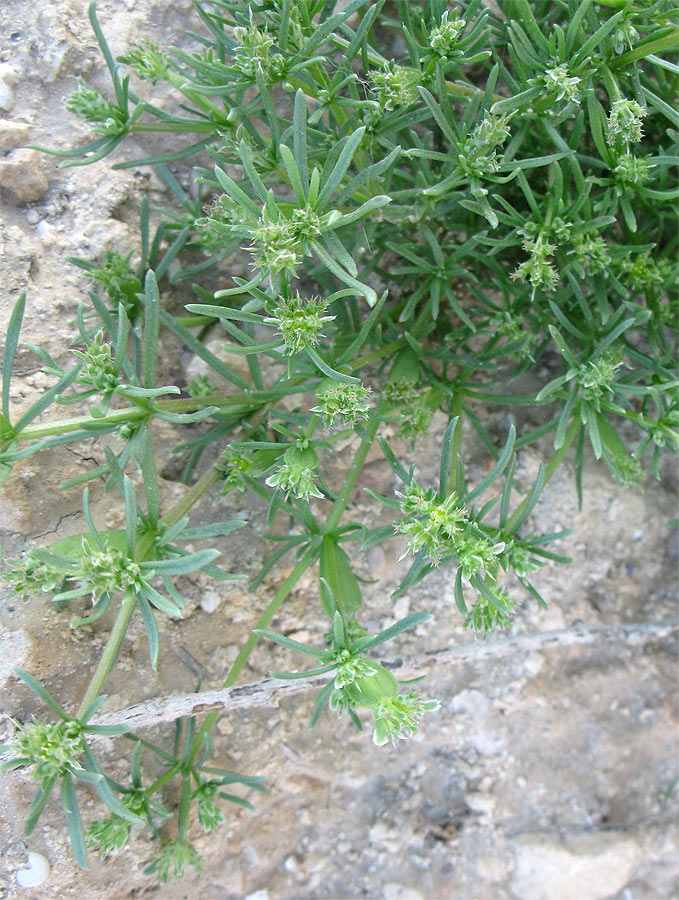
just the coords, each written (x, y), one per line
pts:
(151, 328)
(287, 642)
(42, 692)
(75, 825)
(335, 568)
(182, 564)
(397, 628)
(497, 469)
(11, 343)
(107, 795)
(340, 167)
(40, 798)
(149, 621)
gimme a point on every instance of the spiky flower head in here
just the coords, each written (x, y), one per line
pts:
(299, 321)
(557, 79)
(295, 475)
(444, 37)
(87, 102)
(338, 398)
(173, 859)
(624, 121)
(98, 369)
(52, 750)
(397, 718)
(148, 61)
(394, 86)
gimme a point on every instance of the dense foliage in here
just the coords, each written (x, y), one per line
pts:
(434, 201)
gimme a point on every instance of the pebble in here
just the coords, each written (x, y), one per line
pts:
(21, 176)
(8, 78)
(35, 873)
(210, 602)
(12, 134)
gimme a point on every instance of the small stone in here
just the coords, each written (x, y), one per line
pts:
(12, 134)
(258, 895)
(402, 607)
(21, 176)
(8, 77)
(210, 602)
(672, 546)
(393, 891)
(35, 873)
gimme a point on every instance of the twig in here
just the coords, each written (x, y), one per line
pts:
(270, 691)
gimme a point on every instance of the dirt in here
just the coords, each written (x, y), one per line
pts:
(542, 775)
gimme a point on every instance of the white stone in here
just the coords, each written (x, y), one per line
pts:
(588, 867)
(393, 891)
(8, 77)
(258, 895)
(210, 602)
(35, 873)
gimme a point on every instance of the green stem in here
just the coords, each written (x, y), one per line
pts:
(133, 414)
(340, 503)
(249, 645)
(552, 466)
(456, 446)
(117, 634)
(666, 42)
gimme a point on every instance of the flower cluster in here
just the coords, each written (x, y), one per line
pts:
(107, 570)
(491, 611)
(631, 170)
(624, 121)
(31, 575)
(338, 398)
(148, 61)
(592, 253)
(394, 86)
(50, 749)
(122, 285)
(538, 269)
(295, 475)
(299, 321)
(432, 523)
(557, 79)
(173, 859)
(444, 37)
(596, 377)
(235, 464)
(398, 716)
(87, 102)
(209, 814)
(477, 157)
(253, 55)
(643, 272)
(98, 368)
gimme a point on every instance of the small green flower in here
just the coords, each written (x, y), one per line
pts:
(108, 835)
(295, 475)
(98, 369)
(431, 522)
(557, 79)
(109, 570)
(394, 86)
(173, 859)
(632, 170)
(52, 750)
(235, 464)
(148, 61)
(253, 55)
(299, 321)
(642, 272)
(596, 377)
(477, 157)
(592, 253)
(201, 387)
(625, 37)
(444, 37)
(397, 717)
(94, 107)
(121, 283)
(487, 615)
(624, 121)
(30, 576)
(209, 814)
(337, 398)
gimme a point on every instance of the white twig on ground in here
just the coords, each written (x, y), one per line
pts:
(270, 691)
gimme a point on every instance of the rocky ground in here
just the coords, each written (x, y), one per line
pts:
(544, 774)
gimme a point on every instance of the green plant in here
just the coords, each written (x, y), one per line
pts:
(422, 231)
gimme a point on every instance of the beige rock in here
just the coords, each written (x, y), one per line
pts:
(12, 134)
(21, 176)
(587, 867)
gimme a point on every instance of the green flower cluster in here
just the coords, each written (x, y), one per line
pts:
(338, 398)
(299, 321)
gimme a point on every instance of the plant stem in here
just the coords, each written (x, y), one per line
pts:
(351, 478)
(117, 634)
(552, 466)
(249, 645)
